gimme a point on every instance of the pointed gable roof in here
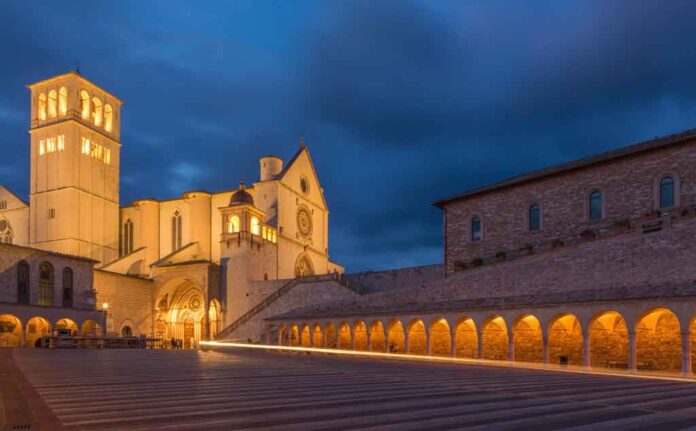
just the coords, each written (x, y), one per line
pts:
(303, 149)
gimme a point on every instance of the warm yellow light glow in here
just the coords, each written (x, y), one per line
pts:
(263, 232)
(107, 156)
(52, 104)
(97, 112)
(51, 145)
(105, 306)
(63, 101)
(42, 106)
(423, 358)
(86, 146)
(42, 147)
(108, 117)
(233, 224)
(61, 142)
(255, 225)
(84, 104)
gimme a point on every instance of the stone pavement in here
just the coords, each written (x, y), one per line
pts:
(195, 390)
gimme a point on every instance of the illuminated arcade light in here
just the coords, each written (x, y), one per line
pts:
(105, 306)
(443, 359)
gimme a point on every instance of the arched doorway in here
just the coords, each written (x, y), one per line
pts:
(303, 266)
(10, 331)
(440, 338)
(344, 337)
(658, 341)
(66, 328)
(294, 335)
(396, 338)
(494, 339)
(360, 336)
(528, 341)
(608, 341)
(377, 339)
(417, 338)
(466, 339)
(37, 327)
(565, 340)
(126, 331)
(90, 328)
(330, 334)
(182, 307)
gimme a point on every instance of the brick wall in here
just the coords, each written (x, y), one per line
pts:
(130, 302)
(628, 186)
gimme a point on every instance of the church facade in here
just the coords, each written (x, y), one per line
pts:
(182, 267)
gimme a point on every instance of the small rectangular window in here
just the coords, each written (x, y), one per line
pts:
(61, 142)
(85, 146)
(51, 213)
(51, 145)
(42, 147)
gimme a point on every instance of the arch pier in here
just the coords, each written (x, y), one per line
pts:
(638, 336)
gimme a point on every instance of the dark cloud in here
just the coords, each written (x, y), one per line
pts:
(400, 102)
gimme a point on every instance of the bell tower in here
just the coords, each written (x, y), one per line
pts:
(75, 160)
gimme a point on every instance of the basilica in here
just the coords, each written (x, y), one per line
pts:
(74, 259)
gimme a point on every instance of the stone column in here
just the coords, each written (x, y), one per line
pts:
(406, 348)
(687, 364)
(427, 342)
(453, 340)
(352, 338)
(632, 351)
(586, 360)
(23, 340)
(369, 338)
(511, 348)
(479, 341)
(545, 340)
(324, 342)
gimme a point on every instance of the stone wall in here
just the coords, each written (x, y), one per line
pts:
(377, 281)
(129, 299)
(629, 190)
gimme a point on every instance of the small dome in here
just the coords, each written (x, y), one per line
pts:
(241, 197)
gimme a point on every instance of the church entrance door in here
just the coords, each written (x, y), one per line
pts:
(188, 333)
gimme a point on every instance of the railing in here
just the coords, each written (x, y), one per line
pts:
(284, 289)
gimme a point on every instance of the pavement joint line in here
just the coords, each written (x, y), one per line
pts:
(446, 360)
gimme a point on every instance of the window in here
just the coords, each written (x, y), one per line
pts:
(42, 106)
(108, 117)
(85, 146)
(107, 156)
(97, 112)
(63, 101)
(22, 282)
(254, 225)
(67, 287)
(51, 145)
(42, 147)
(52, 104)
(176, 231)
(304, 185)
(476, 228)
(127, 237)
(45, 284)
(61, 142)
(595, 205)
(233, 224)
(534, 218)
(51, 213)
(3, 205)
(666, 192)
(84, 105)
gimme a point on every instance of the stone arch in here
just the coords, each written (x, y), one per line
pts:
(565, 340)
(67, 327)
(330, 334)
(494, 339)
(378, 341)
(294, 335)
(303, 266)
(360, 337)
(182, 311)
(90, 328)
(36, 328)
(282, 334)
(608, 336)
(465, 338)
(440, 337)
(10, 331)
(658, 341)
(527, 339)
(345, 338)
(305, 336)
(417, 338)
(396, 340)
(317, 336)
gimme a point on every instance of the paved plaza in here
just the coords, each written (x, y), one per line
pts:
(240, 389)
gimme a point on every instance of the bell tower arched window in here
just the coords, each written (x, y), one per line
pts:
(108, 117)
(45, 284)
(62, 101)
(42, 106)
(52, 104)
(176, 231)
(84, 105)
(97, 112)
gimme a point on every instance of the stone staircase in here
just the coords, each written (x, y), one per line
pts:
(282, 291)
